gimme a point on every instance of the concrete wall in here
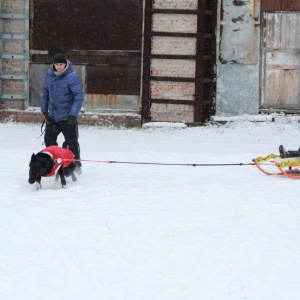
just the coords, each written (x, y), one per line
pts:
(238, 60)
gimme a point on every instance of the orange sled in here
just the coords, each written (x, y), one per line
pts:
(289, 167)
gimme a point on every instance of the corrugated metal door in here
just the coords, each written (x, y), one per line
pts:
(103, 39)
(280, 62)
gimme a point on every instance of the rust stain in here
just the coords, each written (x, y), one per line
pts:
(112, 101)
(256, 10)
(101, 100)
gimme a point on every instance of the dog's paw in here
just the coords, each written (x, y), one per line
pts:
(74, 177)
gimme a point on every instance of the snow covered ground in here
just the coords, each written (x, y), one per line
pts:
(152, 232)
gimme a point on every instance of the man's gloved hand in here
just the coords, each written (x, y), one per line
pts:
(72, 120)
(45, 114)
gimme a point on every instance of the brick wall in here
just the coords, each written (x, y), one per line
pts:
(175, 68)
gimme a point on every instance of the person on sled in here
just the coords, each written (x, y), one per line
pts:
(288, 153)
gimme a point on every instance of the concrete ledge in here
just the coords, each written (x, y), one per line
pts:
(244, 117)
(85, 118)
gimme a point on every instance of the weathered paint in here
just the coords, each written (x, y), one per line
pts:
(172, 113)
(281, 61)
(239, 32)
(112, 102)
(239, 56)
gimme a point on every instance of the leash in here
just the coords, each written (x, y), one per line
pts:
(43, 123)
(160, 164)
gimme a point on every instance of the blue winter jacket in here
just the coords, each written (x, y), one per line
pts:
(62, 95)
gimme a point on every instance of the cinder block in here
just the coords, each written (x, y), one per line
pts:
(172, 90)
(173, 68)
(13, 6)
(13, 46)
(11, 86)
(11, 104)
(174, 23)
(13, 26)
(161, 112)
(175, 4)
(13, 66)
(173, 45)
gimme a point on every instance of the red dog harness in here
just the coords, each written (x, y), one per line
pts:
(60, 155)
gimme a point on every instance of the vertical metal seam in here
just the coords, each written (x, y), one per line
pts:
(198, 109)
(146, 61)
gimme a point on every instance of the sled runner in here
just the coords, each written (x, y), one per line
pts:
(270, 165)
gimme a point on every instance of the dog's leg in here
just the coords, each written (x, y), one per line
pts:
(62, 177)
(56, 176)
(69, 171)
(73, 176)
(38, 184)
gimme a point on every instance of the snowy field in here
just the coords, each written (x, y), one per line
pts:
(152, 232)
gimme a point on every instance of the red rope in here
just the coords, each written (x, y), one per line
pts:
(88, 160)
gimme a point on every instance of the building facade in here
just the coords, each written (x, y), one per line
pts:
(165, 60)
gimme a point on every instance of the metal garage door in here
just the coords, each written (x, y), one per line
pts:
(103, 39)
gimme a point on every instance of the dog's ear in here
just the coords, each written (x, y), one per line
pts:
(32, 159)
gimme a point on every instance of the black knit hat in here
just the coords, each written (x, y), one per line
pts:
(59, 58)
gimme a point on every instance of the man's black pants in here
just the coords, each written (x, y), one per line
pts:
(70, 132)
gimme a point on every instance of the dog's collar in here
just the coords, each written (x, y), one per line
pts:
(58, 160)
(50, 154)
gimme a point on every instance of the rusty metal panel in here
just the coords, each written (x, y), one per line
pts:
(267, 5)
(101, 37)
(99, 102)
(87, 25)
(290, 5)
(283, 5)
(239, 31)
(113, 79)
(281, 61)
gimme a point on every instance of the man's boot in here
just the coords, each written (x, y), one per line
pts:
(289, 153)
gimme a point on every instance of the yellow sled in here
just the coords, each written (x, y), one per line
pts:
(289, 167)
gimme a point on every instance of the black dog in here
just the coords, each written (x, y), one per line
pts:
(51, 161)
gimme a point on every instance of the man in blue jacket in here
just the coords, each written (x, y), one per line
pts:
(62, 99)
